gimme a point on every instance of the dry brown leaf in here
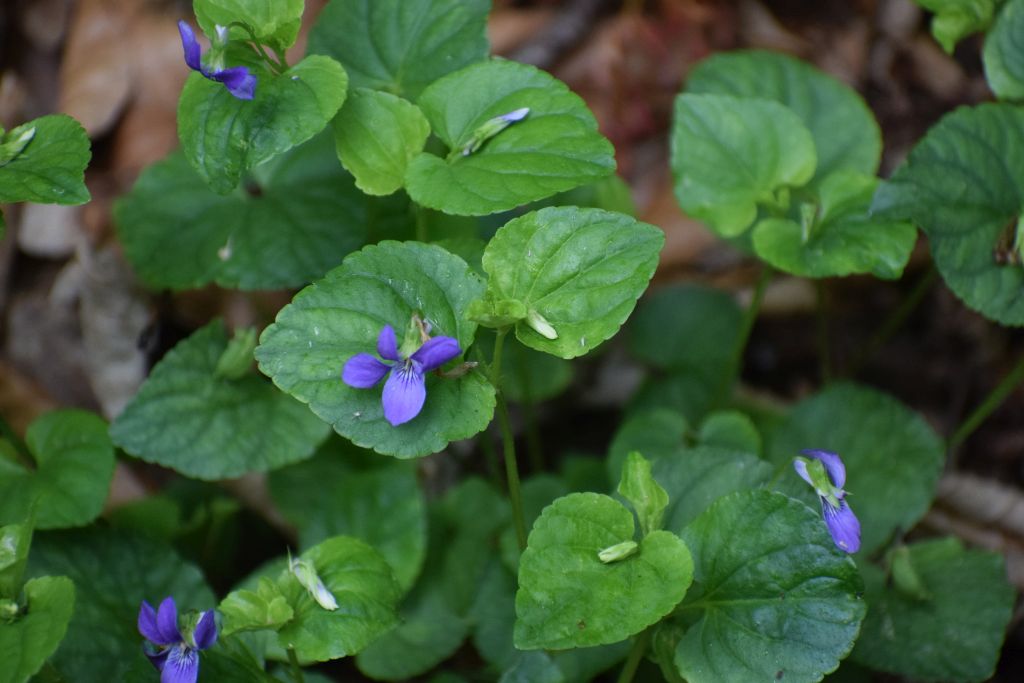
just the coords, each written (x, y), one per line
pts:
(44, 22)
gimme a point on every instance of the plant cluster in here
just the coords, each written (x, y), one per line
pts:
(458, 234)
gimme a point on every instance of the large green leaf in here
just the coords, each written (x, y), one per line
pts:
(401, 46)
(730, 155)
(1004, 69)
(568, 597)
(74, 464)
(844, 129)
(580, 270)
(273, 23)
(377, 134)
(776, 600)
(335, 494)
(697, 477)
(953, 631)
(188, 418)
(839, 237)
(963, 184)
(555, 148)
(223, 136)
(15, 541)
(44, 161)
(893, 458)
(28, 640)
(333, 319)
(113, 573)
(366, 592)
(295, 220)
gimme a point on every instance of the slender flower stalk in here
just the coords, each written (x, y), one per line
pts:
(826, 473)
(237, 79)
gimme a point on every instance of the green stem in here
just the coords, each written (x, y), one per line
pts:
(294, 669)
(824, 361)
(512, 473)
(746, 326)
(895, 320)
(495, 369)
(277, 65)
(988, 406)
(636, 655)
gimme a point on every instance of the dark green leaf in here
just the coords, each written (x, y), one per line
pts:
(296, 220)
(401, 46)
(730, 429)
(333, 319)
(953, 636)
(205, 427)
(50, 166)
(74, 464)
(223, 136)
(1004, 68)
(579, 271)
(775, 594)
(15, 540)
(655, 434)
(555, 148)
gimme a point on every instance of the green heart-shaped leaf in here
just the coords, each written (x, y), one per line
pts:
(580, 270)
(27, 641)
(775, 593)
(555, 147)
(296, 219)
(74, 464)
(568, 597)
(401, 46)
(187, 418)
(731, 154)
(333, 319)
(223, 136)
(46, 163)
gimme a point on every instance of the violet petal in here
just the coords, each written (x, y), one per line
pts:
(167, 622)
(238, 80)
(191, 46)
(362, 371)
(436, 352)
(387, 346)
(404, 394)
(205, 633)
(843, 525)
(148, 627)
(158, 659)
(182, 666)
(833, 465)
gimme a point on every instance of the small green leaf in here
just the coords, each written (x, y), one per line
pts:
(15, 540)
(496, 313)
(582, 270)
(377, 134)
(74, 464)
(29, 640)
(732, 155)
(696, 477)
(263, 608)
(845, 133)
(333, 319)
(367, 595)
(953, 636)
(963, 184)
(113, 573)
(1004, 70)
(380, 504)
(730, 429)
(223, 136)
(646, 495)
(186, 418)
(296, 219)
(555, 148)
(775, 593)
(954, 20)
(568, 598)
(49, 166)
(399, 46)
(838, 236)
(274, 23)
(893, 458)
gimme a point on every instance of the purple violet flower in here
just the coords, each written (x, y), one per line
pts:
(406, 389)
(237, 79)
(174, 656)
(827, 474)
